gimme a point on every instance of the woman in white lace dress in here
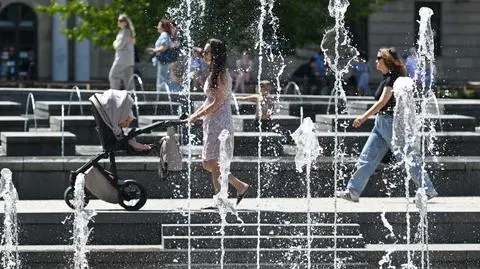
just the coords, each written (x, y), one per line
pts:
(217, 114)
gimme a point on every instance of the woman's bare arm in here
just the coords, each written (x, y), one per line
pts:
(253, 97)
(386, 95)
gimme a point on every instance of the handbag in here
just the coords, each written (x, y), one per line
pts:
(168, 56)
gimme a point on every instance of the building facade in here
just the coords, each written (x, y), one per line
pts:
(456, 24)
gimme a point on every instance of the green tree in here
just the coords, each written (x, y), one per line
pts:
(99, 21)
(300, 22)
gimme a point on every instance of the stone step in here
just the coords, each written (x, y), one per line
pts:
(13, 124)
(38, 143)
(310, 109)
(447, 143)
(54, 108)
(448, 123)
(84, 128)
(47, 177)
(441, 256)
(213, 229)
(452, 220)
(155, 256)
(9, 108)
(146, 228)
(246, 143)
(33, 120)
(248, 123)
(251, 241)
(466, 107)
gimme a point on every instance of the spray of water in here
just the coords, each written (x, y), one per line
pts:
(81, 231)
(339, 54)
(426, 54)
(30, 99)
(135, 102)
(79, 97)
(62, 129)
(260, 44)
(10, 259)
(308, 151)
(235, 103)
(266, 51)
(404, 139)
(188, 14)
(221, 199)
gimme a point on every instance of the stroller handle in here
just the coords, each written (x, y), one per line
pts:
(146, 129)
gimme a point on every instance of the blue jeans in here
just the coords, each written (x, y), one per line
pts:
(373, 151)
(163, 77)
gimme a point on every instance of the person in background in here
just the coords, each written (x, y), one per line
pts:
(361, 76)
(11, 64)
(244, 72)
(23, 65)
(380, 139)
(162, 44)
(413, 63)
(305, 77)
(122, 67)
(265, 105)
(322, 74)
(216, 112)
(198, 69)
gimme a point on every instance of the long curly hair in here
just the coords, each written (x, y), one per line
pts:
(218, 64)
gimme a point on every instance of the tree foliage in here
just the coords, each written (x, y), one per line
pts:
(235, 21)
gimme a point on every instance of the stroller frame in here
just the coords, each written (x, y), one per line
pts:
(128, 189)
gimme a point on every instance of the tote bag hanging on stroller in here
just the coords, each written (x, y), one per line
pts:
(169, 154)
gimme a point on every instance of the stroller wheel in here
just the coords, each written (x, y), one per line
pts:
(69, 197)
(132, 195)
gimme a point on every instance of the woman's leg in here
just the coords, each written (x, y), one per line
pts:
(213, 168)
(239, 185)
(240, 83)
(166, 76)
(163, 77)
(159, 77)
(114, 76)
(127, 78)
(415, 168)
(418, 172)
(372, 153)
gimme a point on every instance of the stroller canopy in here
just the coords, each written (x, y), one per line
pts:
(116, 106)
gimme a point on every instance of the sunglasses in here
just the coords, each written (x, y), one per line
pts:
(379, 58)
(121, 20)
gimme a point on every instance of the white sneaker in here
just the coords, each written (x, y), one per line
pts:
(347, 195)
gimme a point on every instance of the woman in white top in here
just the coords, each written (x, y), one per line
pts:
(122, 67)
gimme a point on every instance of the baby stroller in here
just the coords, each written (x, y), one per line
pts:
(100, 182)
